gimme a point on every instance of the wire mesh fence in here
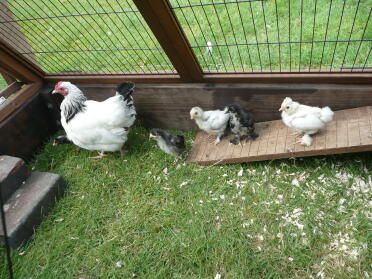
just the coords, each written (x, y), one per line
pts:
(82, 36)
(111, 36)
(278, 35)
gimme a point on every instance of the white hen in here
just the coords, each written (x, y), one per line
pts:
(213, 122)
(305, 120)
(101, 126)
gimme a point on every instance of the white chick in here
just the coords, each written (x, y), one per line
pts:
(305, 120)
(213, 122)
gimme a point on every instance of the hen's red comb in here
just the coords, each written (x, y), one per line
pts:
(58, 85)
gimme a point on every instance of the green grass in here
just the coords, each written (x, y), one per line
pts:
(146, 217)
(129, 30)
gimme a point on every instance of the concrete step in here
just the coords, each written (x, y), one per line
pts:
(27, 206)
(13, 172)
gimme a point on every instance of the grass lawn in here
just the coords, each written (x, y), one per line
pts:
(146, 217)
(66, 43)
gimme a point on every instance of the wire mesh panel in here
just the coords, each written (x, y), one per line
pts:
(278, 35)
(83, 36)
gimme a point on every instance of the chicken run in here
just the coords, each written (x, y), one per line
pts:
(231, 73)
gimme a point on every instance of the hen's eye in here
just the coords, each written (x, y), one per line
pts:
(196, 113)
(287, 107)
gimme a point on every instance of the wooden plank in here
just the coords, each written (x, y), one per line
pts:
(196, 146)
(115, 78)
(167, 106)
(8, 79)
(343, 135)
(280, 77)
(26, 129)
(18, 99)
(11, 89)
(353, 133)
(273, 136)
(263, 139)
(166, 28)
(331, 135)
(16, 65)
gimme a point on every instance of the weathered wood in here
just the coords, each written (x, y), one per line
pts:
(8, 79)
(114, 79)
(18, 99)
(351, 137)
(277, 77)
(16, 65)
(26, 129)
(168, 105)
(11, 89)
(321, 78)
(166, 28)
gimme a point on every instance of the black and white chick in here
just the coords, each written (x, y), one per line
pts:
(241, 123)
(170, 144)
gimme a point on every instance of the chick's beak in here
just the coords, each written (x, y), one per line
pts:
(281, 109)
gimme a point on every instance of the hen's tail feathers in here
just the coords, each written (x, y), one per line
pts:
(125, 89)
(326, 114)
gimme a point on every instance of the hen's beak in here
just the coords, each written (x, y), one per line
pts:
(191, 116)
(151, 136)
(54, 92)
(281, 109)
(226, 110)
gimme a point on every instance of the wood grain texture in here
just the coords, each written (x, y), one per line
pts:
(350, 131)
(26, 129)
(167, 105)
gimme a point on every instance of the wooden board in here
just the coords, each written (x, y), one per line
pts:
(350, 131)
(167, 106)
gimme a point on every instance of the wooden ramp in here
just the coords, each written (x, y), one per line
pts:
(350, 131)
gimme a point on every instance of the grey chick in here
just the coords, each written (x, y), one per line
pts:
(170, 144)
(241, 123)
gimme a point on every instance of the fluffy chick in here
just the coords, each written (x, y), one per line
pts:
(305, 120)
(170, 144)
(241, 123)
(213, 122)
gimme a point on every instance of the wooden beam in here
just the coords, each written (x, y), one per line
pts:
(166, 28)
(114, 79)
(8, 79)
(15, 64)
(345, 78)
(18, 99)
(11, 89)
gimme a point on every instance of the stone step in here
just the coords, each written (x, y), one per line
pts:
(13, 172)
(26, 208)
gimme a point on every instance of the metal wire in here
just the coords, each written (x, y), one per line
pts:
(351, 33)
(338, 34)
(214, 36)
(365, 63)
(360, 43)
(325, 36)
(110, 36)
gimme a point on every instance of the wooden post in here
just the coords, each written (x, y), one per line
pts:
(166, 28)
(8, 79)
(16, 65)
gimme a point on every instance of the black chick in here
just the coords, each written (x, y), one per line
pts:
(62, 140)
(241, 123)
(170, 144)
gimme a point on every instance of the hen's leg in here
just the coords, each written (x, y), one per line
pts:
(122, 152)
(236, 139)
(218, 140)
(100, 155)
